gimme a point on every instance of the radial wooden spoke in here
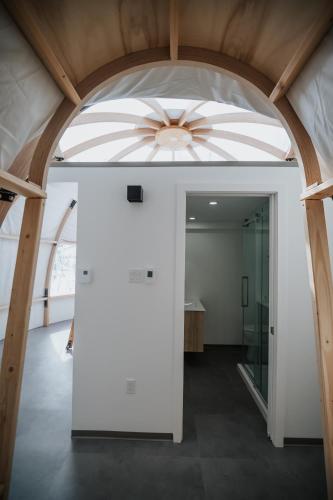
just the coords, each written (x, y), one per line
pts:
(215, 149)
(106, 117)
(153, 152)
(187, 113)
(243, 139)
(131, 148)
(103, 139)
(155, 106)
(235, 118)
(193, 153)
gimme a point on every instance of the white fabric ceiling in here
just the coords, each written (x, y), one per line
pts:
(28, 95)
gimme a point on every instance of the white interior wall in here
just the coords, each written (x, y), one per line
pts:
(213, 275)
(126, 330)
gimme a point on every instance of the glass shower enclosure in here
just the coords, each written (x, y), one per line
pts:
(255, 297)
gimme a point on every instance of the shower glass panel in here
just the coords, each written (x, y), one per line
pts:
(255, 297)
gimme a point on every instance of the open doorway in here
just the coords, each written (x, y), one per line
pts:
(228, 306)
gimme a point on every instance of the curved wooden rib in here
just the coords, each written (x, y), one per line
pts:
(187, 113)
(215, 149)
(193, 153)
(103, 139)
(50, 264)
(234, 118)
(153, 152)
(106, 117)
(131, 148)
(243, 139)
(155, 106)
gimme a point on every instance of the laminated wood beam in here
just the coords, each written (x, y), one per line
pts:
(322, 297)
(311, 40)
(319, 191)
(50, 263)
(16, 334)
(174, 29)
(19, 186)
(25, 17)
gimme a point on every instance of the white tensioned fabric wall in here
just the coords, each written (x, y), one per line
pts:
(60, 196)
(29, 96)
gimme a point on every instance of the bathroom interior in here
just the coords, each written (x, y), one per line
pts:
(227, 284)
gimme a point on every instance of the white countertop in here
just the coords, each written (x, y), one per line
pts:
(193, 305)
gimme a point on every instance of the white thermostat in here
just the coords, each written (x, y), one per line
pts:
(84, 275)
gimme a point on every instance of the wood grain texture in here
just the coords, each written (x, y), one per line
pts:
(304, 51)
(319, 191)
(20, 168)
(19, 186)
(16, 333)
(322, 297)
(89, 34)
(27, 19)
(174, 28)
(193, 331)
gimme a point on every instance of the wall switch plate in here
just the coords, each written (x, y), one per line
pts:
(136, 275)
(84, 275)
(149, 275)
(130, 386)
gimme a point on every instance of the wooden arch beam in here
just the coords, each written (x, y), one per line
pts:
(304, 149)
(50, 264)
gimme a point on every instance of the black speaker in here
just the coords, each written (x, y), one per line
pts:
(135, 194)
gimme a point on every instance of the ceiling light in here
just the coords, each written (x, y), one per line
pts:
(192, 218)
(213, 202)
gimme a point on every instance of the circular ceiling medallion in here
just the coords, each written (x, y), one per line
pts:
(173, 137)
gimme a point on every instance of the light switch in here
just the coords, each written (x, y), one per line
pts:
(149, 275)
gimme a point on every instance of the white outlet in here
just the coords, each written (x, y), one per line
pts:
(136, 275)
(130, 386)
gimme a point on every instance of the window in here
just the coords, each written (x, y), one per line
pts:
(63, 272)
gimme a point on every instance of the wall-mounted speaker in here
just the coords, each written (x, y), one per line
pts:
(135, 194)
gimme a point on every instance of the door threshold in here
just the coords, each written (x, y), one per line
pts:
(253, 390)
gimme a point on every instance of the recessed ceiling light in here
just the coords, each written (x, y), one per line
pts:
(192, 218)
(213, 202)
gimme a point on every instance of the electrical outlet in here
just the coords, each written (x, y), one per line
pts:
(136, 275)
(130, 386)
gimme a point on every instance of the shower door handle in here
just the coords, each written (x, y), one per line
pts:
(245, 287)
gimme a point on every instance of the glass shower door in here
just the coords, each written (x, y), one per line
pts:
(255, 297)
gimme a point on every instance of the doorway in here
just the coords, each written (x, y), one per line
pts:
(254, 351)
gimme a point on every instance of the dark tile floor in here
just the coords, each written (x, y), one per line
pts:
(225, 454)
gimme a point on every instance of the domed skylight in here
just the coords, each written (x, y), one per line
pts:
(172, 130)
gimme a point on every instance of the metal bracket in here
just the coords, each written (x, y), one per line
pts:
(6, 195)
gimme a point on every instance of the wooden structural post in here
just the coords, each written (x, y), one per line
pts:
(16, 335)
(322, 294)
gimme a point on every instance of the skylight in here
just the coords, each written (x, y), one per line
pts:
(172, 130)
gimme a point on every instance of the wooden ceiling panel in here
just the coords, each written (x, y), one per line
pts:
(264, 33)
(88, 34)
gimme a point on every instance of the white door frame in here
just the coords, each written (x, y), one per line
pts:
(278, 298)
